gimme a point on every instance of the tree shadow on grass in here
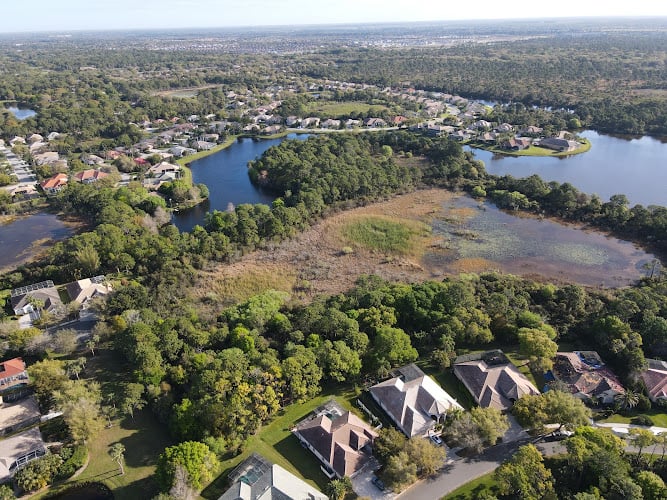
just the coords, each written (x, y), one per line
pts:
(141, 489)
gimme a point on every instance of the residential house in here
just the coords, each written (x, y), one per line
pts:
(24, 299)
(338, 438)
(413, 400)
(164, 167)
(203, 145)
(179, 151)
(92, 159)
(23, 192)
(488, 137)
(330, 123)
(655, 379)
(89, 176)
(481, 125)
(272, 129)
(311, 121)
(12, 372)
(504, 127)
(399, 120)
(53, 136)
(587, 376)
(83, 291)
(53, 185)
(18, 450)
(531, 130)
(558, 144)
(46, 158)
(258, 479)
(515, 144)
(492, 379)
(290, 121)
(16, 140)
(460, 135)
(33, 138)
(375, 122)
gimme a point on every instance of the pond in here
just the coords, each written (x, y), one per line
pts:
(225, 173)
(478, 236)
(23, 238)
(21, 114)
(635, 167)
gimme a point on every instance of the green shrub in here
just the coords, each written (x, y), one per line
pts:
(642, 420)
(643, 403)
(74, 458)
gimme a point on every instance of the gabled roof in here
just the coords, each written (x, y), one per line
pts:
(338, 436)
(495, 384)
(655, 379)
(257, 479)
(413, 399)
(89, 175)
(585, 373)
(54, 182)
(11, 367)
(83, 290)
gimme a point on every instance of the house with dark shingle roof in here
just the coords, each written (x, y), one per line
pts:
(338, 438)
(413, 400)
(655, 379)
(587, 376)
(492, 380)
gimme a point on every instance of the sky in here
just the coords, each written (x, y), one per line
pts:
(64, 15)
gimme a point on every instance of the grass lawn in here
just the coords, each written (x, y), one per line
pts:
(473, 489)
(659, 418)
(584, 146)
(335, 109)
(276, 443)
(144, 439)
(452, 385)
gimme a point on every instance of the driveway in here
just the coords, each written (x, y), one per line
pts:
(364, 488)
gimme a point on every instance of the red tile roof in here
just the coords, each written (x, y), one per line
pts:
(54, 182)
(11, 367)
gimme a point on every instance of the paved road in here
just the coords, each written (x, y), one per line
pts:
(21, 169)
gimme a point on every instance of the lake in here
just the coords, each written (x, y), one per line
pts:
(24, 237)
(21, 114)
(225, 173)
(476, 237)
(635, 167)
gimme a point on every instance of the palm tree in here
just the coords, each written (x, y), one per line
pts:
(117, 453)
(627, 400)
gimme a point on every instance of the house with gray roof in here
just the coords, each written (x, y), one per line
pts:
(655, 379)
(413, 400)
(492, 379)
(338, 438)
(258, 479)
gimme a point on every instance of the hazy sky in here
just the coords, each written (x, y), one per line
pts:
(62, 15)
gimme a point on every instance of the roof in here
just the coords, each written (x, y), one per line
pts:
(83, 290)
(339, 436)
(16, 450)
(54, 182)
(413, 399)
(11, 367)
(90, 174)
(493, 381)
(655, 379)
(257, 479)
(585, 373)
(48, 295)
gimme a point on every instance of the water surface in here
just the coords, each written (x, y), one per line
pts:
(635, 167)
(21, 114)
(24, 237)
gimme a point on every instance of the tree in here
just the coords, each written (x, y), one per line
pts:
(38, 473)
(389, 442)
(132, 399)
(196, 458)
(427, 457)
(46, 378)
(491, 423)
(524, 475)
(339, 488)
(302, 373)
(6, 492)
(641, 438)
(464, 432)
(80, 404)
(92, 342)
(538, 346)
(88, 260)
(75, 367)
(117, 454)
(400, 471)
(627, 400)
(552, 407)
(65, 341)
(652, 485)
(392, 347)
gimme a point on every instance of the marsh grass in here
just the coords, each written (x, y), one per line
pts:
(384, 234)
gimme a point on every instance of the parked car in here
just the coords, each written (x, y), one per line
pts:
(436, 440)
(558, 435)
(378, 483)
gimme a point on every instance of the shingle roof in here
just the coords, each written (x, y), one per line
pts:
(338, 438)
(412, 399)
(496, 386)
(655, 379)
(590, 378)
